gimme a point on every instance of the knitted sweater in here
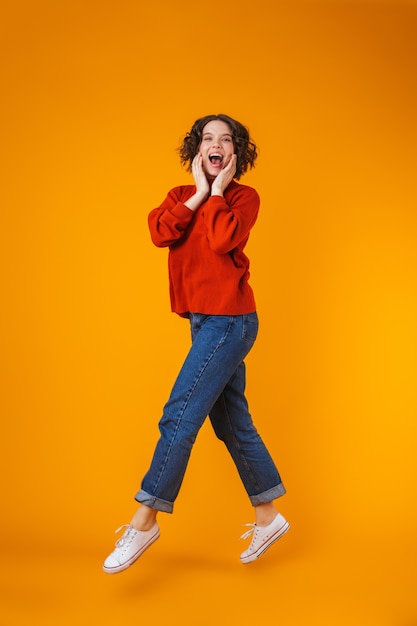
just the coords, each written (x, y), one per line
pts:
(208, 270)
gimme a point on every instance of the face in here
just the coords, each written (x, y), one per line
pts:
(216, 147)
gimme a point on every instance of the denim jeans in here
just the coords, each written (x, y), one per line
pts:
(211, 382)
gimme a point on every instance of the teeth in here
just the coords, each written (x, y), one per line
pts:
(216, 157)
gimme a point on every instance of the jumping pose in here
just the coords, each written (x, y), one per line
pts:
(206, 227)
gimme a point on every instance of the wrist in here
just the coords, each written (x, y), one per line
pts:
(196, 200)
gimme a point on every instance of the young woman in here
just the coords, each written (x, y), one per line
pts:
(206, 227)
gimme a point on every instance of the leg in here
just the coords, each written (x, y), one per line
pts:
(265, 514)
(219, 345)
(233, 424)
(144, 518)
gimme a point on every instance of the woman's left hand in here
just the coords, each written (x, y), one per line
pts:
(224, 178)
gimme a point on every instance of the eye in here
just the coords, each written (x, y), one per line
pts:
(227, 139)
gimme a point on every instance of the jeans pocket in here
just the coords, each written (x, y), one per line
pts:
(250, 327)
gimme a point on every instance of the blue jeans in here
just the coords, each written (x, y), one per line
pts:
(211, 382)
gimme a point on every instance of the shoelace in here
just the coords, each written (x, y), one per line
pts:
(248, 532)
(127, 537)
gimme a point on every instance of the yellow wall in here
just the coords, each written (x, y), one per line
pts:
(96, 95)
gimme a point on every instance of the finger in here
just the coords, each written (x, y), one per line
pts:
(232, 162)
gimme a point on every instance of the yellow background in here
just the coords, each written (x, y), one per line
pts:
(96, 95)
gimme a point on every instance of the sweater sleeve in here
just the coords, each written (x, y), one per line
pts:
(229, 220)
(169, 222)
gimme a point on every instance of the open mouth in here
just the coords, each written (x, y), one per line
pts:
(216, 158)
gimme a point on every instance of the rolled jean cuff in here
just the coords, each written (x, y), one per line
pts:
(153, 502)
(268, 496)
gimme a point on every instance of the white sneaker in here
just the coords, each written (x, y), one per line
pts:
(129, 547)
(263, 537)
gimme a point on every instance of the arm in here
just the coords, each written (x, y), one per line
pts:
(169, 222)
(228, 221)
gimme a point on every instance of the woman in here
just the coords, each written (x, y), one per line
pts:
(206, 227)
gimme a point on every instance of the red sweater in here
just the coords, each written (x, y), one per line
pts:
(208, 270)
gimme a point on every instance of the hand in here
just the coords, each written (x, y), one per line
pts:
(200, 179)
(224, 177)
(202, 188)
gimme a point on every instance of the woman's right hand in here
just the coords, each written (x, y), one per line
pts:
(200, 178)
(201, 184)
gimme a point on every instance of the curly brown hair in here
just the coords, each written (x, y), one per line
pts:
(244, 147)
